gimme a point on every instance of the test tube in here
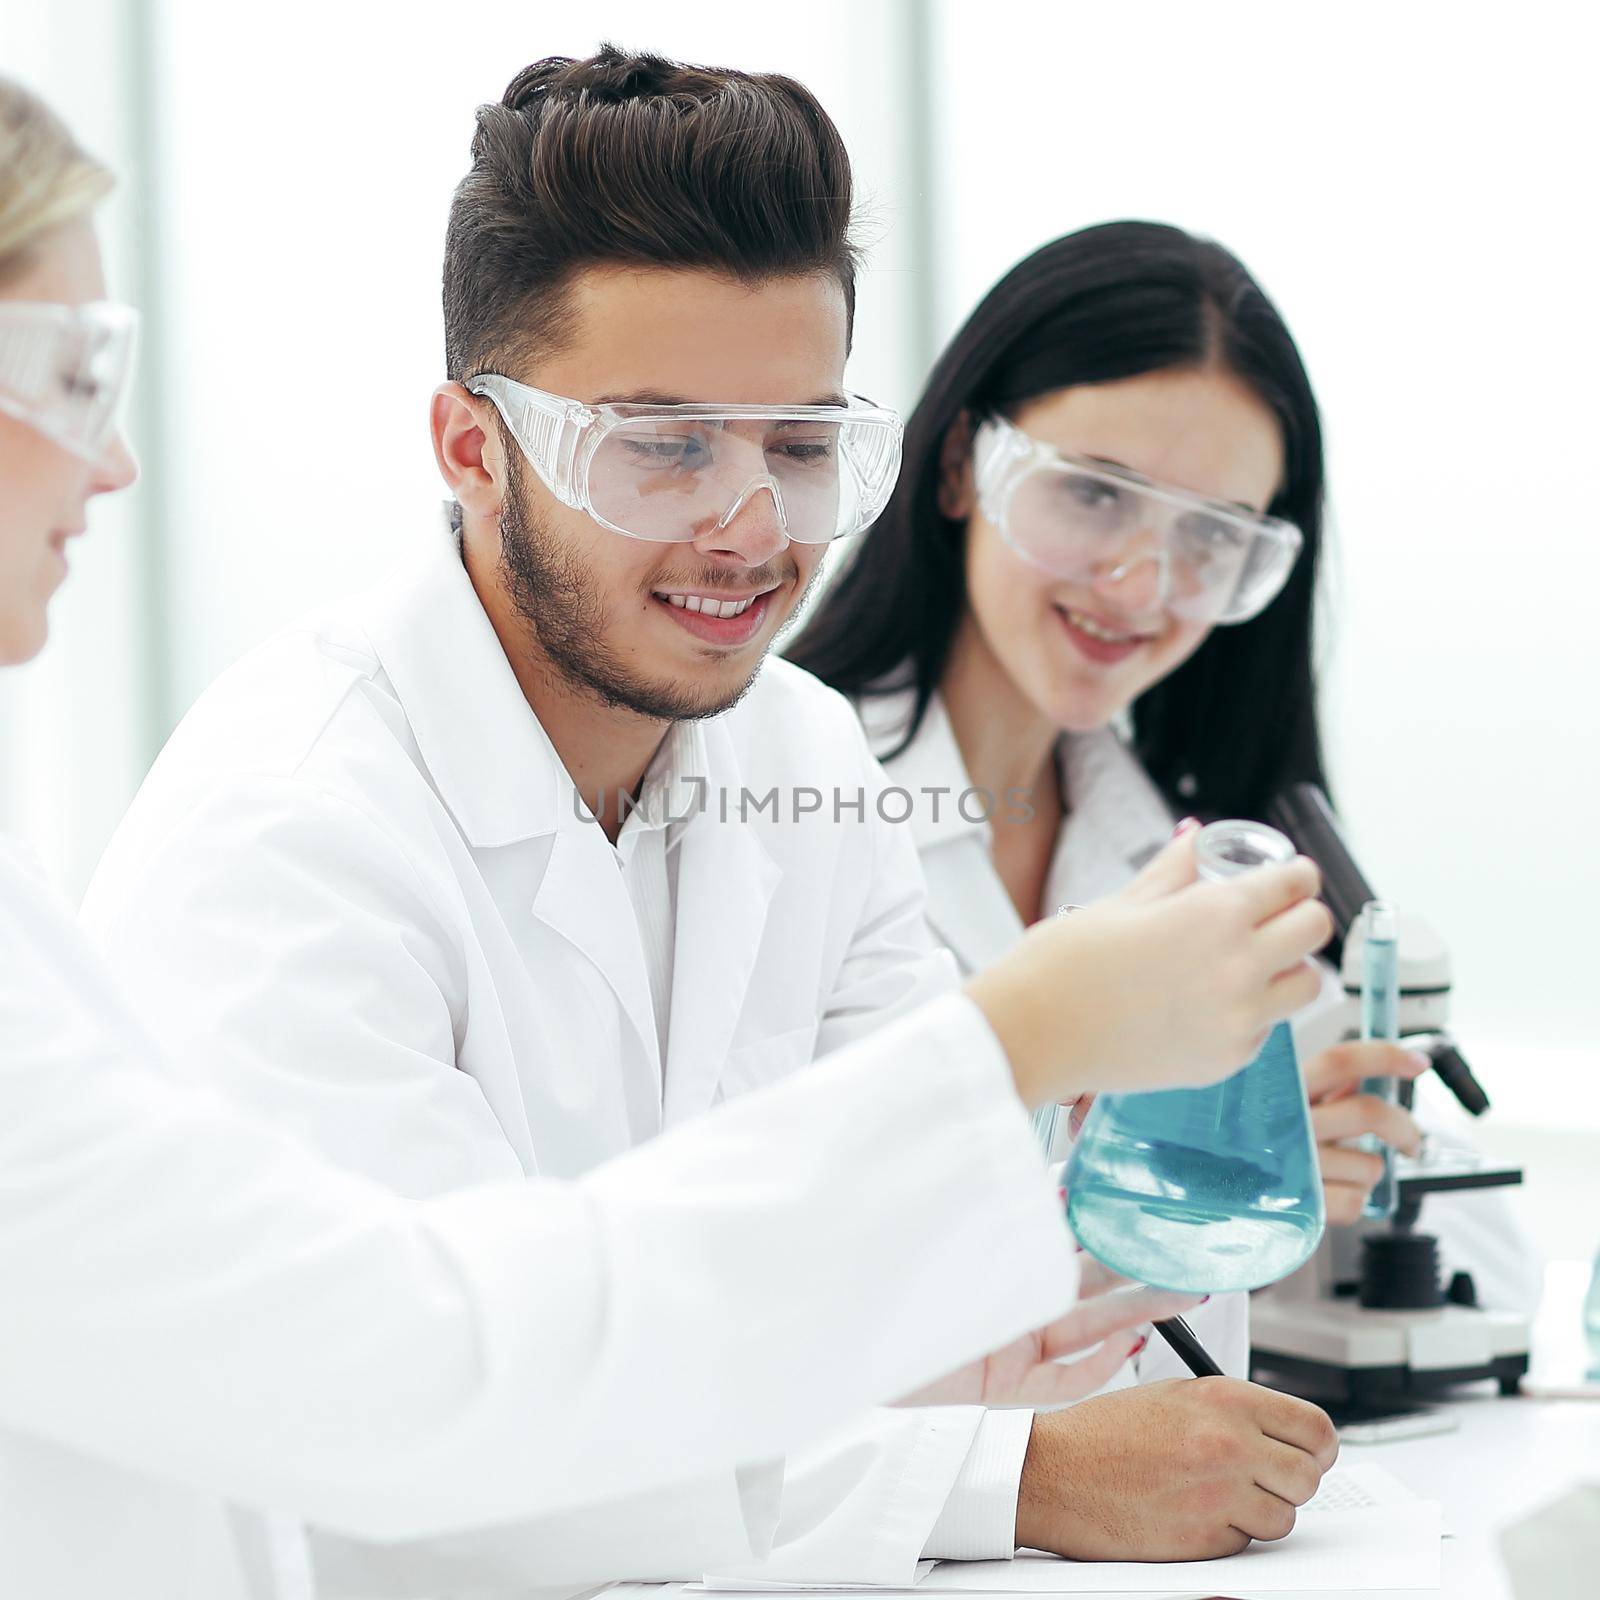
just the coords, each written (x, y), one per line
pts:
(1047, 1119)
(1380, 1019)
(1044, 1128)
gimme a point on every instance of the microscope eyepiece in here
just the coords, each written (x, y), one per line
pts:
(1452, 1067)
(1303, 813)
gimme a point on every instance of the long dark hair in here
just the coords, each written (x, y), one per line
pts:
(1224, 732)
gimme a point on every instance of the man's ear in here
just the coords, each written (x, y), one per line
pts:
(958, 497)
(467, 450)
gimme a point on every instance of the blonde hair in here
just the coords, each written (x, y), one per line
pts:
(46, 179)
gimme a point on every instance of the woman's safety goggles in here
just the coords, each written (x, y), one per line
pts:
(65, 370)
(673, 473)
(1083, 521)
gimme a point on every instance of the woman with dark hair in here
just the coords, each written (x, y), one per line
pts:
(1088, 610)
(1126, 326)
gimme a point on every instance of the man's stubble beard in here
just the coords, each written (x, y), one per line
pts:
(556, 600)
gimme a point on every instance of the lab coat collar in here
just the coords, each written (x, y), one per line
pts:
(495, 768)
(1116, 818)
(487, 754)
(931, 762)
(674, 782)
(968, 907)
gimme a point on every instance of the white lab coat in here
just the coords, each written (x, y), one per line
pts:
(356, 890)
(197, 1306)
(1116, 820)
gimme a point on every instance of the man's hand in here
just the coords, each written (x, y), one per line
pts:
(1177, 1471)
(1340, 1112)
(1169, 983)
(1106, 1322)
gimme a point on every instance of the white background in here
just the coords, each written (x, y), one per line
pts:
(1413, 183)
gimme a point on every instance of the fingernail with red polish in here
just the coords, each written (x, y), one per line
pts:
(1184, 825)
(1140, 1346)
(1204, 1298)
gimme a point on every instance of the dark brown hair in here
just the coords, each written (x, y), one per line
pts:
(1236, 724)
(633, 160)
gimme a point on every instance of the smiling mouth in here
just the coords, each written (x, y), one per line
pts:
(707, 605)
(723, 621)
(1096, 629)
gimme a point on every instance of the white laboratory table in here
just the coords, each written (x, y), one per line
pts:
(1509, 1456)
(1506, 1459)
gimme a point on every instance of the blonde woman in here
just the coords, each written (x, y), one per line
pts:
(194, 1306)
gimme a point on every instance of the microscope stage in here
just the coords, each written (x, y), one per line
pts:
(1363, 1352)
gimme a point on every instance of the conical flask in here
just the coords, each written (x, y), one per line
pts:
(1205, 1190)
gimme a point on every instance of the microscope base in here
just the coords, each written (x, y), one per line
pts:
(1341, 1351)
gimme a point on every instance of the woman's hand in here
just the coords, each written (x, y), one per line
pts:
(1106, 1323)
(1339, 1111)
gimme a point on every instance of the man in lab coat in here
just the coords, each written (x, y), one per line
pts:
(388, 879)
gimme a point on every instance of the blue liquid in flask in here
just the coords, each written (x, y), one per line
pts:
(1205, 1190)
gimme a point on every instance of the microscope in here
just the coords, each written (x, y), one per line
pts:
(1368, 1321)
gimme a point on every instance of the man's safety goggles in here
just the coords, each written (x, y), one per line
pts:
(1081, 520)
(65, 370)
(673, 473)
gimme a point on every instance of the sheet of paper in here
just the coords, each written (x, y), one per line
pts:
(713, 1585)
(1365, 1530)
(1391, 1547)
(1359, 1488)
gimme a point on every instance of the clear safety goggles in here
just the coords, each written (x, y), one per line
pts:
(673, 473)
(66, 370)
(1084, 521)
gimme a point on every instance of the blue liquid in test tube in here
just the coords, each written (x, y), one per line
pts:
(1380, 1019)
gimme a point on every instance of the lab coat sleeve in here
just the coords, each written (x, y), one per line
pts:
(860, 1506)
(192, 1293)
(286, 942)
(285, 948)
(979, 1521)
